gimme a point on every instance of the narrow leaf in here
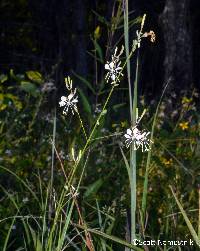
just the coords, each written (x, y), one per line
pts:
(93, 188)
(192, 231)
(86, 104)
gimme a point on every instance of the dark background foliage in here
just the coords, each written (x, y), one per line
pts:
(54, 37)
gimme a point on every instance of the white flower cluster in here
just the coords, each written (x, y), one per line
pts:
(70, 101)
(138, 138)
(114, 68)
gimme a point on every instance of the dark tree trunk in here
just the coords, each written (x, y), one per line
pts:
(80, 40)
(175, 24)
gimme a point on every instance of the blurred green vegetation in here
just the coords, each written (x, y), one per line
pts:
(26, 131)
(30, 118)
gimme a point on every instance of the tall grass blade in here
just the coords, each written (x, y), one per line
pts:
(23, 182)
(126, 38)
(126, 163)
(36, 240)
(199, 214)
(8, 235)
(67, 221)
(110, 237)
(53, 151)
(133, 106)
(52, 163)
(145, 185)
(189, 225)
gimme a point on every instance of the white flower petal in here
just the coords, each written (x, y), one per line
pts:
(63, 98)
(127, 136)
(129, 131)
(107, 67)
(137, 138)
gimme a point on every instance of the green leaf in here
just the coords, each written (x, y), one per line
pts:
(99, 50)
(65, 228)
(29, 88)
(35, 76)
(86, 104)
(12, 75)
(17, 103)
(93, 188)
(8, 235)
(126, 163)
(17, 77)
(22, 182)
(36, 240)
(3, 78)
(101, 18)
(95, 57)
(4, 101)
(110, 237)
(116, 107)
(189, 224)
(85, 81)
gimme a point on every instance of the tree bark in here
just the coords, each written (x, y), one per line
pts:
(176, 29)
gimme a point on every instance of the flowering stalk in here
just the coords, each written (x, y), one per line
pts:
(82, 125)
(91, 134)
(114, 68)
(114, 76)
(133, 134)
(70, 102)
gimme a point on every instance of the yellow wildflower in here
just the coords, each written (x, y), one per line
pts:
(114, 125)
(184, 125)
(97, 32)
(123, 124)
(186, 100)
(167, 162)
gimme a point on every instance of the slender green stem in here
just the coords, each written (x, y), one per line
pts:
(199, 214)
(133, 161)
(52, 164)
(92, 133)
(126, 37)
(133, 115)
(81, 121)
(98, 119)
(145, 185)
(35, 115)
(133, 192)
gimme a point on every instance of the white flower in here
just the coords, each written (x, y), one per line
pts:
(25, 200)
(114, 68)
(48, 87)
(138, 139)
(69, 102)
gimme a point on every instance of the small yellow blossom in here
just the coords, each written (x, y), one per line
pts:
(167, 162)
(97, 32)
(186, 100)
(114, 125)
(184, 125)
(123, 124)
